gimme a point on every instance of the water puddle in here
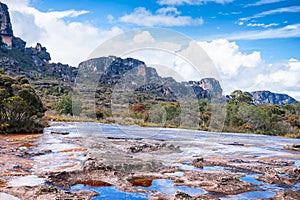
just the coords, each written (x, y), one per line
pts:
(31, 180)
(166, 186)
(269, 190)
(110, 192)
(251, 195)
(188, 167)
(179, 174)
(163, 186)
(64, 155)
(251, 179)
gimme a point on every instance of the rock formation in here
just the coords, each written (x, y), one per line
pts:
(112, 72)
(6, 32)
(267, 97)
(134, 75)
(32, 62)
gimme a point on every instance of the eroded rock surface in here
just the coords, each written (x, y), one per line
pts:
(135, 164)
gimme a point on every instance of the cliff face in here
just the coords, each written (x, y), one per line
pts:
(6, 32)
(132, 74)
(5, 24)
(129, 73)
(267, 97)
(7, 38)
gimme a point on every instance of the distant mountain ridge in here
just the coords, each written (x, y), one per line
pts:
(132, 74)
(34, 63)
(267, 97)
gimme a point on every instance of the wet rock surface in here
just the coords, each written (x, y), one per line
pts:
(152, 168)
(287, 195)
(293, 147)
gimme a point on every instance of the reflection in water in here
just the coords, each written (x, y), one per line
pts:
(163, 186)
(251, 195)
(175, 174)
(269, 190)
(166, 186)
(110, 193)
(67, 154)
(251, 179)
(189, 167)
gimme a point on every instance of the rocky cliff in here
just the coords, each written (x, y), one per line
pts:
(112, 73)
(5, 27)
(32, 62)
(7, 38)
(267, 97)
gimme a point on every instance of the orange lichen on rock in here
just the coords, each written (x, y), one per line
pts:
(74, 150)
(144, 181)
(67, 167)
(94, 183)
(3, 184)
(27, 145)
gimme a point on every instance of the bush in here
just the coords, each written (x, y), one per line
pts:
(66, 105)
(20, 107)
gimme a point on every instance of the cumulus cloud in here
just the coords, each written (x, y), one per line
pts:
(191, 2)
(143, 37)
(282, 77)
(67, 42)
(227, 56)
(167, 17)
(248, 72)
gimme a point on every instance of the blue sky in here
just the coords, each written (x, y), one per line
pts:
(258, 39)
(221, 19)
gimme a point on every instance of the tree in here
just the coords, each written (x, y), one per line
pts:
(238, 96)
(20, 108)
(66, 105)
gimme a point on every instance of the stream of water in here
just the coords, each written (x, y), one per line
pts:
(68, 154)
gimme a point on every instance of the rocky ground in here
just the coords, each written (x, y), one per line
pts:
(130, 163)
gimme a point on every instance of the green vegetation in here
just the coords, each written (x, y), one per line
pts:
(66, 105)
(20, 108)
(17, 55)
(243, 116)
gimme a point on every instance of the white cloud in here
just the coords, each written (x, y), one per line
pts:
(110, 18)
(262, 25)
(168, 17)
(289, 31)
(291, 9)
(285, 79)
(228, 58)
(168, 10)
(221, 59)
(263, 2)
(143, 37)
(191, 2)
(67, 42)
(248, 72)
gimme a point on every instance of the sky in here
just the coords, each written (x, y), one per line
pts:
(253, 44)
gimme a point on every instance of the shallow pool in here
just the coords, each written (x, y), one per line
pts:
(110, 193)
